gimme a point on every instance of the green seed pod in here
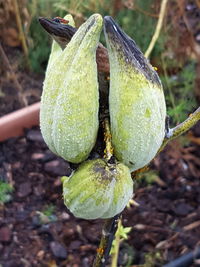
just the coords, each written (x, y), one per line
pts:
(70, 98)
(98, 189)
(136, 100)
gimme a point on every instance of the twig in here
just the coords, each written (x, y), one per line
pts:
(181, 128)
(19, 26)
(145, 12)
(108, 233)
(197, 3)
(21, 99)
(190, 36)
(158, 28)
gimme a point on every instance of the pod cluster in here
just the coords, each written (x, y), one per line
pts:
(69, 116)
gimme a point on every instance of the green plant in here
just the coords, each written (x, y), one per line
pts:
(179, 90)
(5, 192)
(147, 178)
(152, 259)
(47, 214)
(120, 236)
(49, 210)
(40, 48)
(132, 19)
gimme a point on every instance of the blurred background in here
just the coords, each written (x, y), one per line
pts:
(35, 227)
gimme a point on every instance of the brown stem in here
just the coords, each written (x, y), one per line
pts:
(21, 99)
(117, 5)
(108, 234)
(20, 29)
(190, 37)
(145, 12)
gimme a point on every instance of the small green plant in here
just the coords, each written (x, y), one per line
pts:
(147, 178)
(120, 236)
(47, 214)
(49, 210)
(153, 259)
(5, 192)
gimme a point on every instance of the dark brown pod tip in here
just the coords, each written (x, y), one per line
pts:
(118, 40)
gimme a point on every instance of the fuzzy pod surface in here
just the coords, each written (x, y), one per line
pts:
(136, 100)
(98, 189)
(70, 98)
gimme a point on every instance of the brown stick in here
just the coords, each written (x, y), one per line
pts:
(13, 76)
(21, 32)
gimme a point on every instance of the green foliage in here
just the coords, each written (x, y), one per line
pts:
(39, 52)
(140, 26)
(180, 91)
(49, 210)
(153, 259)
(5, 190)
(122, 234)
(146, 178)
(81, 9)
(47, 214)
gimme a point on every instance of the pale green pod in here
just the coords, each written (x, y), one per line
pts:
(70, 98)
(98, 189)
(136, 100)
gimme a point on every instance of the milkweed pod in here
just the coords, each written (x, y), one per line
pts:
(70, 98)
(136, 100)
(98, 189)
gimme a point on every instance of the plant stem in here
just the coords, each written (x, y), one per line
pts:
(158, 28)
(116, 247)
(20, 96)
(181, 128)
(21, 33)
(108, 233)
(110, 225)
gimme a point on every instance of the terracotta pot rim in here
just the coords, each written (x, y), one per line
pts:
(14, 123)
